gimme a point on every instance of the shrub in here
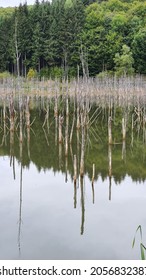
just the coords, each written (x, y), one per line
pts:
(44, 72)
(124, 62)
(31, 74)
(105, 74)
(56, 72)
(5, 74)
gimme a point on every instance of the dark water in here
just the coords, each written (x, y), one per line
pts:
(44, 215)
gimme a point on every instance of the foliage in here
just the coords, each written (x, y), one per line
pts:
(56, 72)
(139, 50)
(4, 75)
(52, 34)
(135, 157)
(44, 72)
(5, 12)
(31, 74)
(105, 74)
(124, 62)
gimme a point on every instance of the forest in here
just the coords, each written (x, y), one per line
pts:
(66, 38)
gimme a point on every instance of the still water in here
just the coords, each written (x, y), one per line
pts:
(45, 215)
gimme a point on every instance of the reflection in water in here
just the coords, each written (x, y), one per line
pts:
(20, 212)
(124, 151)
(82, 205)
(110, 170)
(21, 169)
(60, 155)
(66, 169)
(27, 114)
(49, 138)
(93, 177)
(75, 181)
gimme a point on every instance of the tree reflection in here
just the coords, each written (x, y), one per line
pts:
(91, 130)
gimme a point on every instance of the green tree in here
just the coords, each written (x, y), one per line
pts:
(5, 45)
(63, 33)
(24, 34)
(124, 62)
(139, 51)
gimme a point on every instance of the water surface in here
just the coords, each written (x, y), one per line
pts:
(44, 214)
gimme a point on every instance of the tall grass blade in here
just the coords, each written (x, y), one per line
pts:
(142, 249)
(133, 243)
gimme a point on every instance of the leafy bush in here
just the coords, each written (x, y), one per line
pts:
(56, 72)
(124, 62)
(31, 74)
(44, 72)
(5, 74)
(105, 74)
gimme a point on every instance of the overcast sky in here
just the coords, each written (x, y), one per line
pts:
(13, 3)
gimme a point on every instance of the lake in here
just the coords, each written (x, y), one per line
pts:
(65, 192)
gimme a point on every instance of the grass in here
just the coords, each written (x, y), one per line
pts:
(142, 247)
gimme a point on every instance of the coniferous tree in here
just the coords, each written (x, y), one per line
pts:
(24, 35)
(5, 45)
(59, 35)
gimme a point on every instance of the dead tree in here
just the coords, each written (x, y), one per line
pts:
(17, 53)
(110, 130)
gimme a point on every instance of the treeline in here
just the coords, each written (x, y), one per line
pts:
(74, 37)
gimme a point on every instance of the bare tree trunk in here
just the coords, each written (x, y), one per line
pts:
(56, 106)
(21, 125)
(78, 117)
(132, 127)
(78, 72)
(12, 114)
(124, 150)
(4, 122)
(65, 65)
(56, 129)
(60, 128)
(124, 128)
(110, 130)
(60, 155)
(12, 125)
(84, 61)
(17, 53)
(22, 66)
(72, 128)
